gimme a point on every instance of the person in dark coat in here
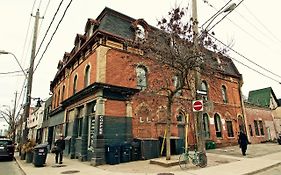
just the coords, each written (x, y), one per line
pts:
(243, 142)
(60, 143)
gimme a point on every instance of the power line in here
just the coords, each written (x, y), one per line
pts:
(48, 28)
(249, 61)
(225, 16)
(264, 26)
(53, 34)
(12, 72)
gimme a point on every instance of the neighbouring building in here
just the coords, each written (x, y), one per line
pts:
(100, 98)
(260, 109)
(4, 129)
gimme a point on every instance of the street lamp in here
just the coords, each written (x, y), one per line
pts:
(5, 52)
(198, 115)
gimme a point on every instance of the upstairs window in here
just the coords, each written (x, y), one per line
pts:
(204, 87)
(224, 94)
(87, 76)
(62, 93)
(75, 84)
(141, 77)
(177, 84)
(140, 32)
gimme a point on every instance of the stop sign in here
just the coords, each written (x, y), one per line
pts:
(197, 105)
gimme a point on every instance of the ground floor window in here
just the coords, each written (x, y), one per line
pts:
(218, 125)
(251, 130)
(256, 127)
(229, 128)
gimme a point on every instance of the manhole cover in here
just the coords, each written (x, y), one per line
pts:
(165, 174)
(58, 166)
(70, 172)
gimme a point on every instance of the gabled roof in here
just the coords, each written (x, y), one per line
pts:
(261, 97)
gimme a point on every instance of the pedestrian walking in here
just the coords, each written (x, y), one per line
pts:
(60, 144)
(243, 142)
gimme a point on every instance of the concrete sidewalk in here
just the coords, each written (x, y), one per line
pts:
(226, 161)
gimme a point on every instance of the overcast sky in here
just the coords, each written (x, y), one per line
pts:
(252, 28)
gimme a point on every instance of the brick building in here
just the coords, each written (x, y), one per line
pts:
(262, 115)
(100, 97)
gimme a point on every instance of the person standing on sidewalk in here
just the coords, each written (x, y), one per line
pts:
(243, 142)
(60, 143)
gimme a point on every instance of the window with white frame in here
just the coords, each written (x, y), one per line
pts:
(204, 87)
(218, 125)
(141, 77)
(229, 128)
(87, 76)
(206, 125)
(224, 94)
(140, 32)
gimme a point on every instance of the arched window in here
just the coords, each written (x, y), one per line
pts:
(218, 125)
(224, 94)
(180, 117)
(206, 125)
(58, 101)
(204, 87)
(141, 77)
(177, 84)
(75, 84)
(87, 76)
(62, 93)
(140, 32)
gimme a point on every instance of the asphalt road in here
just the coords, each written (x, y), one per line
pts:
(9, 168)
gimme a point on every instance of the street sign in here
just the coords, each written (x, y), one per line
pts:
(197, 105)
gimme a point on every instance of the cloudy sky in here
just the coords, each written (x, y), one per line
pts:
(252, 29)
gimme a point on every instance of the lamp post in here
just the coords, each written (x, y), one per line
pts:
(198, 115)
(5, 52)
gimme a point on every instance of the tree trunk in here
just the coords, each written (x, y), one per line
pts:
(168, 138)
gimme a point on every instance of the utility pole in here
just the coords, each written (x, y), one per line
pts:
(13, 123)
(198, 115)
(29, 79)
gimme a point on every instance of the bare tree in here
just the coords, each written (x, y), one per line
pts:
(8, 115)
(173, 53)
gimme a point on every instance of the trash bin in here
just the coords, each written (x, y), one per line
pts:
(125, 154)
(112, 154)
(136, 151)
(40, 154)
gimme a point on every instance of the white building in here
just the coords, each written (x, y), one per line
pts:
(3, 128)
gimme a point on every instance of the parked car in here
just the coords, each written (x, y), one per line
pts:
(7, 148)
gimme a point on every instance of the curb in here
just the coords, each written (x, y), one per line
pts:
(19, 165)
(263, 169)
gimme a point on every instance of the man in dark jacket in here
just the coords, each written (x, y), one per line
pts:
(60, 143)
(243, 142)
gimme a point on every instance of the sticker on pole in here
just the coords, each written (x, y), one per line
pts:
(197, 105)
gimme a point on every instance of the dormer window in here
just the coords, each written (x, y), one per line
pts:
(140, 32)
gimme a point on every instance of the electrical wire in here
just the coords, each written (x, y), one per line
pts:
(249, 61)
(264, 26)
(46, 33)
(5, 73)
(53, 35)
(225, 16)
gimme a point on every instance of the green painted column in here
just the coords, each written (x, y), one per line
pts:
(84, 136)
(74, 134)
(98, 140)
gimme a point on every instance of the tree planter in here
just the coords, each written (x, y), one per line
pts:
(29, 157)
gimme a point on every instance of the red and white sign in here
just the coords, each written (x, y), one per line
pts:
(197, 105)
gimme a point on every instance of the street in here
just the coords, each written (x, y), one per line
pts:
(9, 168)
(276, 170)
